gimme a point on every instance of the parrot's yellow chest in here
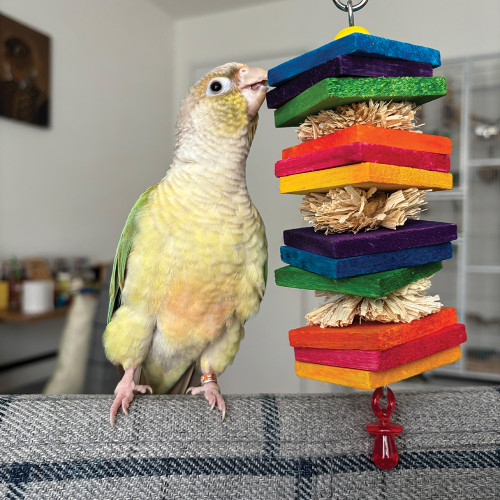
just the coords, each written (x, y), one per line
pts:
(199, 265)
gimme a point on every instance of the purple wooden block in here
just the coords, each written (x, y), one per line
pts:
(359, 152)
(345, 66)
(415, 233)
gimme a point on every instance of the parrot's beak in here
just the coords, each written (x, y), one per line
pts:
(252, 83)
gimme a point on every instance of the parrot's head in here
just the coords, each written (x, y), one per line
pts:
(223, 105)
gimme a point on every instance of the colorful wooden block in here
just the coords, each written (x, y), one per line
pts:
(365, 175)
(347, 65)
(359, 152)
(375, 135)
(365, 264)
(449, 336)
(370, 335)
(363, 379)
(373, 285)
(333, 92)
(356, 44)
(414, 233)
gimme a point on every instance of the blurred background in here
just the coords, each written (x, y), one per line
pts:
(119, 70)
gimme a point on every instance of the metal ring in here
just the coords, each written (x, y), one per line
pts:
(350, 13)
(344, 7)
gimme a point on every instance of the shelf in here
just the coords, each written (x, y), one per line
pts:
(484, 269)
(484, 162)
(465, 374)
(454, 194)
(19, 317)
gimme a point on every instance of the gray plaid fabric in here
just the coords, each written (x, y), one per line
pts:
(270, 446)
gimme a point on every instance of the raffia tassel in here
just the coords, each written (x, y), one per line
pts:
(384, 114)
(353, 209)
(401, 306)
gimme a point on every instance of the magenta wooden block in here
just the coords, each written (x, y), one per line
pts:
(345, 66)
(448, 337)
(359, 152)
(414, 233)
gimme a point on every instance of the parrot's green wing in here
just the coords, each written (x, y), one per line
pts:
(122, 252)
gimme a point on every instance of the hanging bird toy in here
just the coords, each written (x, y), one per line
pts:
(365, 169)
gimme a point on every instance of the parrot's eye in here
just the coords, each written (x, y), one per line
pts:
(218, 85)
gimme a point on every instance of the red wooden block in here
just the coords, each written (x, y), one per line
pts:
(371, 336)
(449, 336)
(375, 135)
(358, 152)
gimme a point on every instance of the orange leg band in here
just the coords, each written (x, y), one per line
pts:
(208, 377)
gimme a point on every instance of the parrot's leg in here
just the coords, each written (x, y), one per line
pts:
(124, 392)
(211, 390)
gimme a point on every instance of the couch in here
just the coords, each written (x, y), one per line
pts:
(269, 447)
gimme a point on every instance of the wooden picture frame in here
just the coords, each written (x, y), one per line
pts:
(25, 56)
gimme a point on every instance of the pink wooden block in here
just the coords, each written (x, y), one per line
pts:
(358, 152)
(448, 337)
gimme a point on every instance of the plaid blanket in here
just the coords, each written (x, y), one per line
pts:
(270, 446)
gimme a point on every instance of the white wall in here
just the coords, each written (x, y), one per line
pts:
(267, 35)
(283, 29)
(120, 69)
(67, 190)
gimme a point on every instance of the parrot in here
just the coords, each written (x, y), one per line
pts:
(191, 263)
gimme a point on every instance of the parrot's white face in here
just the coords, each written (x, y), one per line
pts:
(225, 102)
(251, 83)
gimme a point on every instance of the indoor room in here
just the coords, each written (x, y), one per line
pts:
(92, 115)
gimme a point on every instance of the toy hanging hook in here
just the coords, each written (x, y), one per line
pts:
(350, 8)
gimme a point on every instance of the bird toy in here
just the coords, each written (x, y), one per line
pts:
(365, 169)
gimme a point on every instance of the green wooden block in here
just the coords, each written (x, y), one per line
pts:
(367, 285)
(332, 92)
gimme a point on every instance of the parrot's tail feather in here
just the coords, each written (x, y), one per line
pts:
(189, 378)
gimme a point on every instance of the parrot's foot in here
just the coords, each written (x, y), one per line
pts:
(124, 394)
(212, 395)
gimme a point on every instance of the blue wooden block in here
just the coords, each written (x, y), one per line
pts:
(365, 264)
(358, 44)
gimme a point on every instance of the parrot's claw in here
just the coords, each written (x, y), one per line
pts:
(124, 394)
(212, 395)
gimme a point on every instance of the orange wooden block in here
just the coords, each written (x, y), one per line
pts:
(376, 361)
(363, 379)
(375, 135)
(371, 336)
(365, 175)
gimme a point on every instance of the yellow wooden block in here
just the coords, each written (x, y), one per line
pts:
(365, 175)
(363, 379)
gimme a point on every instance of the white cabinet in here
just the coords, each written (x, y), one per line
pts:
(470, 282)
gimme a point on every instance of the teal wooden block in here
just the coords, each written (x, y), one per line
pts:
(365, 264)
